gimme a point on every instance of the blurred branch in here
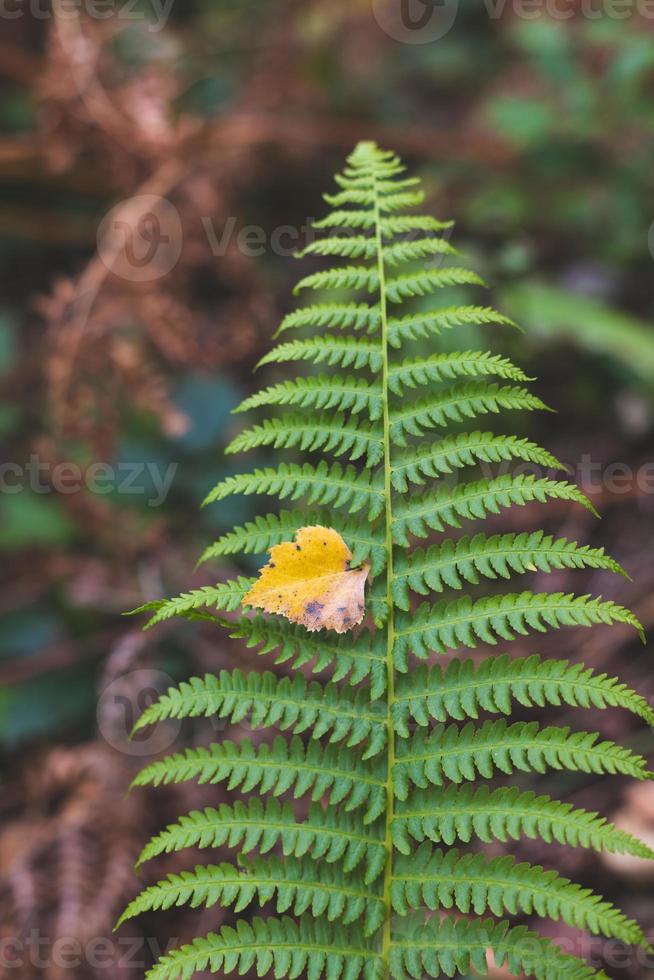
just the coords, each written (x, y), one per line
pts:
(244, 131)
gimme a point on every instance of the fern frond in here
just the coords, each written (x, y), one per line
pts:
(424, 282)
(287, 947)
(448, 367)
(458, 946)
(376, 178)
(454, 563)
(346, 277)
(346, 351)
(370, 763)
(310, 432)
(266, 700)
(224, 597)
(387, 203)
(460, 402)
(462, 813)
(449, 625)
(256, 537)
(347, 247)
(464, 689)
(409, 223)
(414, 249)
(278, 768)
(417, 326)
(351, 218)
(356, 658)
(325, 834)
(294, 884)
(352, 394)
(362, 247)
(323, 484)
(473, 882)
(337, 316)
(449, 506)
(417, 464)
(389, 225)
(461, 754)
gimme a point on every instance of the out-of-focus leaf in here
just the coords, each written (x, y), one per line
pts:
(523, 121)
(550, 312)
(27, 520)
(43, 705)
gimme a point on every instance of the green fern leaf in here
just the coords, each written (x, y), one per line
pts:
(496, 683)
(454, 563)
(456, 404)
(327, 432)
(341, 811)
(331, 349)
(352, 394)
(322, 484)
(276, 769)
(463, 754)
(449, 507)
(447, 626)
(288, 947)
(475, 883)
(224, 597)
(294, 883)
(449, 367)
(455, 452)
(457, 947)
(269, 701)
(355, 659)
(462, 813)
(424, 283)
(323, 835)
(337, 316)
(416, 326)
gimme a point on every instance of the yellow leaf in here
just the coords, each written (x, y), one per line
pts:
(310, 582)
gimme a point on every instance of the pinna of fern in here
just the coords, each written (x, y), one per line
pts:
(351, 820)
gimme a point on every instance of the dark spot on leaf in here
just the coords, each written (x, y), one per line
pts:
(314, 608)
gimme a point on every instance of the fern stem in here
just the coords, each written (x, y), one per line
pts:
(390, 623)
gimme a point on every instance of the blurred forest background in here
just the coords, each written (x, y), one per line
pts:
(534, 133)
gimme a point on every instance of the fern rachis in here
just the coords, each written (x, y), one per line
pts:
(392, 754)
